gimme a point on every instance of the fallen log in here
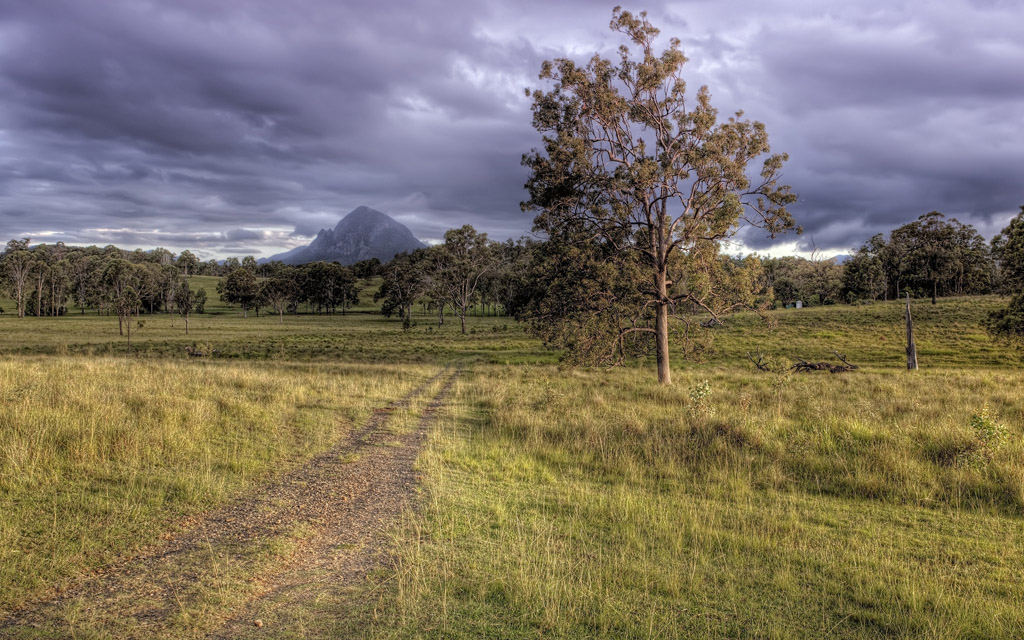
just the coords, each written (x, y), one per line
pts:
(803, 366)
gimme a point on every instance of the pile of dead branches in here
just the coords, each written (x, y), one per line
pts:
(803, 366)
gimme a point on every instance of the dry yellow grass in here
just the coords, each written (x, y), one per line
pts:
(98, 456)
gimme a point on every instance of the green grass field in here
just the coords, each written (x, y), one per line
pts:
(99, 455)
(555, 502)
(362, 335)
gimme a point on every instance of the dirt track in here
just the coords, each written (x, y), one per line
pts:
(319, 528)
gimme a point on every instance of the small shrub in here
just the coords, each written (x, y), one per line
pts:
(700, 405)
(988, 437)
(1008, 323)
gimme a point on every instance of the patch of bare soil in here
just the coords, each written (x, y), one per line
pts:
(321, 526)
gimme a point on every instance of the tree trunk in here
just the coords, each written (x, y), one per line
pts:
(281, 313)
(462, 316)
(661, 333)
(186, 324)
(935, 290)
(661, 324)
(911, 347)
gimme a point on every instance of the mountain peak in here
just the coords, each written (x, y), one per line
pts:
(362, 234)
(365, 215)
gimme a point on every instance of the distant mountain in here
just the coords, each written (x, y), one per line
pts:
(363, 234)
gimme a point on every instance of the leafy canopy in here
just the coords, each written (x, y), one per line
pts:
(638, 184)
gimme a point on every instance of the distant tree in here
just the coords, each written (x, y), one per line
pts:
(60, 281)
(944, 257)
(973, 266)
(929, 243)
(17, 268)
(1008, 248)
(894, 256)
(784, 277)
(249, 262)
(121, 281)
(514, 286)
(279, 294)
(188, 300)
(275, 269)
(240, 287)
(161, 256)
(187, 262)
(432, 281)
(40, 272)
(824, 278)
(641, 178)
(863, 275)
(327, 286)
(151, 286)
(403, 282)
(459, 265)
(85, 274)
(230, 264)
(366, 268)
(168, 279)
(342, 287)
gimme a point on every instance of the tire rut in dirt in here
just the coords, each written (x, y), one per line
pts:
(345, 549)
(140, 595)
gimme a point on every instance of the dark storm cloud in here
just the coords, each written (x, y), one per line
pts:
(251, 125)
(893, 112)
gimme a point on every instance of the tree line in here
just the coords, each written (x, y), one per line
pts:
(552, 284)
(322, 287)
(53, 280)
(465, 270)
(930, 257)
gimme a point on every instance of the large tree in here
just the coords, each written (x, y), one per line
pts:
(633, 170)
(240, 287)
(1008, 248)
(188, 300)
(187, 261)
(121, 280)
(944, 257)
(404, 281)
(17, 267)
(279, 294)
(459, 265)
(864, 272)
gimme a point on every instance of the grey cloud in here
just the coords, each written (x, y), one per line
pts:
(220, 126)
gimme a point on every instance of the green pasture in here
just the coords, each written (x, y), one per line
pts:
(555, 502)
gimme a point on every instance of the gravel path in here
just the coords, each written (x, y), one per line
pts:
(333, 513)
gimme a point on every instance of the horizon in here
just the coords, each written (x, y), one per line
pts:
(778, 251)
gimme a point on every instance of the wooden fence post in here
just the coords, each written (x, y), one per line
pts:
(911, 347)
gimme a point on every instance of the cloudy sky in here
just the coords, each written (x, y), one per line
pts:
(234, 128)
